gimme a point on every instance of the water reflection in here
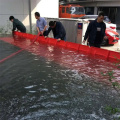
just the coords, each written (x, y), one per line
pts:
(55, 86)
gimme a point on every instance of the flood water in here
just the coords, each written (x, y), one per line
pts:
(50, 83)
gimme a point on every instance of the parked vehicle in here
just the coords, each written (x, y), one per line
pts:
(111, 33)
(107, 21)
(71, 11)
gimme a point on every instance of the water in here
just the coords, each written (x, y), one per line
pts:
(49, 83)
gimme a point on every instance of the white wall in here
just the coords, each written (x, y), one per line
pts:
(46, 8)
(17, 8)
(20, 9)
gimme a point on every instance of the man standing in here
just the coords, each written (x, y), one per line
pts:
(17, 24)
(41, 24)
(96, 31)
(57, 29)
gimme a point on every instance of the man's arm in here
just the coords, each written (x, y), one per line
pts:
(38, 29)
(105, 37)
(104, 29)
(37, 25)
(44, 29)
(45, 24)
(14, 27)
(87, 33)
(59, 31)
(49, 29)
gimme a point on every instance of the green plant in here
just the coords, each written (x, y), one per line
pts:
(112, 110)
(1, 30)
(115, 85)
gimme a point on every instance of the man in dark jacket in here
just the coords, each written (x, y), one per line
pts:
(96, 31)
(57, 29)
(17, 24)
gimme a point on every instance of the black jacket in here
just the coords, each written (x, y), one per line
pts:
(17, 24)
(58, 31)
(92, 31)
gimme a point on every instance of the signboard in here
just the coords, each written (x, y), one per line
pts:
(79, 33)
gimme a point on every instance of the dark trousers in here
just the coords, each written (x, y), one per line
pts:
(23, 30)
(64, 38)
(94, 45)
(44, 34)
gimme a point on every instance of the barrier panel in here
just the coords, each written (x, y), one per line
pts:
(21, 34)
(73, 46)
(30, 36)
(41, 39)
(52, 41)
(26, 35)
(84, 49)
(16, 32)
(101, 53)
(61, 43)
(93, 51)
(114, 57)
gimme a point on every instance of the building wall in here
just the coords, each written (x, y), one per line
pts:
(17, 8)
(96, 3)
(46, 8)
(20, 9)
(109, 5)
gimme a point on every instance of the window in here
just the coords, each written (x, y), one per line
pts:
(63, 10)
(89, 10)
(68, 10)
(77, 10)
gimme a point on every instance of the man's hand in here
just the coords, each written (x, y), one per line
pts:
(105, 37)
(58, 39)
(12, 32)
(39, 32)
(42, 32)
(84, 41)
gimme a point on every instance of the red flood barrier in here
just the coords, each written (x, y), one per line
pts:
(61, 43)
(52, 41)
(96, 52)
(73, 46)
(114, 56)
(16, 33)
(93, 50)
(25, 35)
(84, 49)
(30, 36)
(20, 34)
(101, 53)
(41, 39)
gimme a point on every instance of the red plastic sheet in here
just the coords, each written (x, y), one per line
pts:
(114, 57)
(52, 41)
(61, 43)
(101, 53)
(93, 51)
(73, 46)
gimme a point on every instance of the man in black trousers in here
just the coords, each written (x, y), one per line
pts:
(96, 32)
(17, 24)
(58, 30)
